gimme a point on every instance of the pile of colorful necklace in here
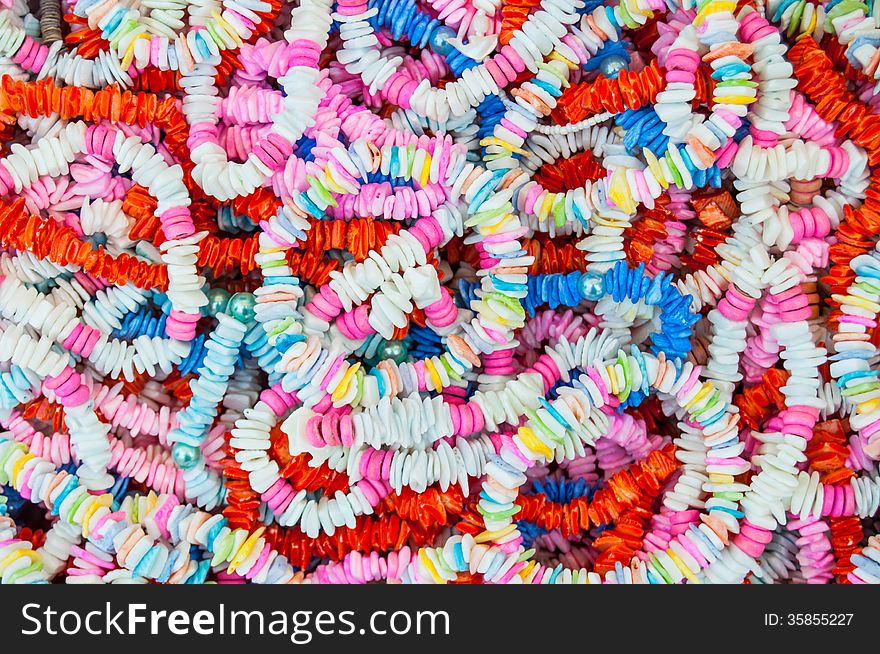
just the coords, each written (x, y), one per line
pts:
(453, 291)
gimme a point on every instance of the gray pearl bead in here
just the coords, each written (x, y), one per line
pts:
(592, 286)
(612, 65)
(185, 456)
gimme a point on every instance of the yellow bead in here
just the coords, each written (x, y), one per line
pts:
(151, 501)
(19, 465)
(344, 383)
(713, 8)
(494, 140)
(129, 52)
(429, 566)
(812, 26)
(245, 550)
(681, 566)
(104, 500)
(654, 166)
(14, 556)
(500, 225)
(432, 371)
(860, 302)
(227, 27)
(526, 571)
(602, 221)
(535, 444)
(725, 274)
(734, 99)
(619, 191)
(543, 212)
(612, 377)
(702, 393)
(869, 405)
(555, 55)
(494, 536)
(330, 183)
(634, 9)
(425, 172)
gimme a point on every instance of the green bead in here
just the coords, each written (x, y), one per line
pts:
(241, 307)
(218, 300)
(185, 456)
(394, 350)
(591, 286)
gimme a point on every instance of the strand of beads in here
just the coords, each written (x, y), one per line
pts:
(419, 291)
